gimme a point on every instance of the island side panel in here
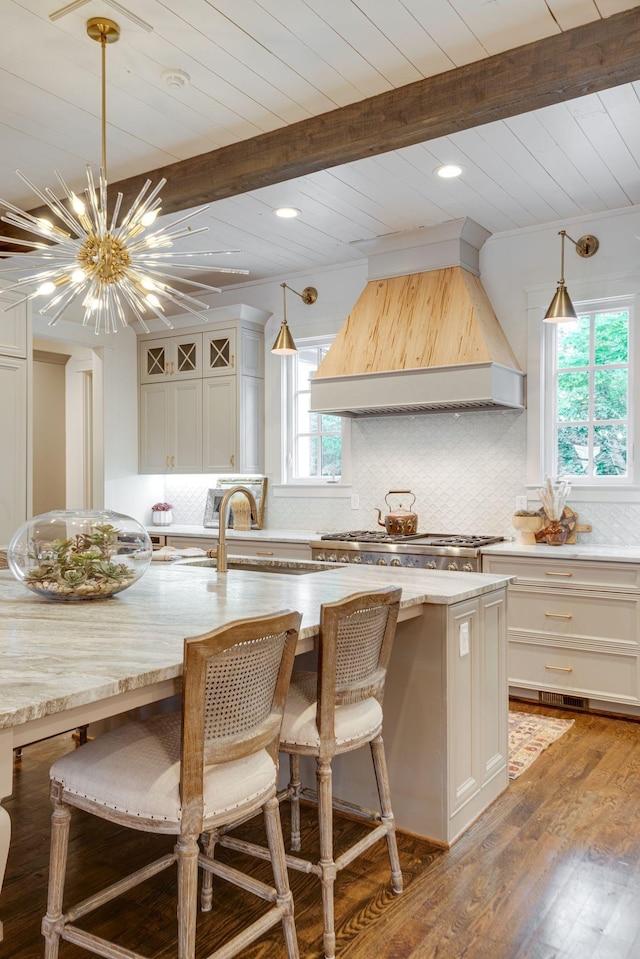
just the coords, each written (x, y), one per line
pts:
(6, 785)
(445, 721)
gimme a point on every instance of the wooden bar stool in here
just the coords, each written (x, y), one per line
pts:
(334, 711)
(185, 778)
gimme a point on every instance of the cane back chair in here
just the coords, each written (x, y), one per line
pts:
(185, 777)
(336, 710)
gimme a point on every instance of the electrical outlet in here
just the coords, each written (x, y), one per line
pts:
(355, 501)
(521, 502)
(463, 636)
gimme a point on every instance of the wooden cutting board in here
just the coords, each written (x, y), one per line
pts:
(570, 520)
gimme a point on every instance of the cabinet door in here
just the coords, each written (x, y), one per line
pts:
(186, 426)
(220, 417)
(13, 329)
(219, 350)
(13, 443)
(176, 357)
(155, 418)
(251, 419)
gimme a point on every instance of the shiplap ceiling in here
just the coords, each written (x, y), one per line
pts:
(259, 65)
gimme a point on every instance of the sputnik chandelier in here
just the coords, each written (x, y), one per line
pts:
(113, 269)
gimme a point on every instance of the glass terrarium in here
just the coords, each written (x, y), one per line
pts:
(79, 554)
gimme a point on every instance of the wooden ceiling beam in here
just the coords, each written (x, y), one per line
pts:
(586, 59)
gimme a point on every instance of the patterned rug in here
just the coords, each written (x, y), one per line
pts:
(528, 736)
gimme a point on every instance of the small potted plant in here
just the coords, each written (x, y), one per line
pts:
(527, 522)
(161, 514)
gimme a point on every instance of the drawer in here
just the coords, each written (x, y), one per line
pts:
(588, 574)
(191, 542)
(598, 675)
(573, 614)
(268, 550)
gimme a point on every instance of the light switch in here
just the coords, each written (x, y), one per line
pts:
(464, 639)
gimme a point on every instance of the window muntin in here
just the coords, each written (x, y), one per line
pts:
(315, 440)
(590, 404)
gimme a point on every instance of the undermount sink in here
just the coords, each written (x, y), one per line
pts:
(290, 567)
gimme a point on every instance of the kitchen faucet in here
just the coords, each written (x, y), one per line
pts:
(221, 549)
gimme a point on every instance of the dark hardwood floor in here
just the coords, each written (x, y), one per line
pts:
(550, 871)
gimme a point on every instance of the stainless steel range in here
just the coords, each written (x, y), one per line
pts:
(419, 550)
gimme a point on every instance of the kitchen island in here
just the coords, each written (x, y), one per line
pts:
(66, 664)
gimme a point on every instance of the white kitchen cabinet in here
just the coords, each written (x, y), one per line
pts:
(167, 358)
(14, 423)
(171, 427)
(260, 548)
(13, 443)
(574, 630)
(229, 420)
(220, 420)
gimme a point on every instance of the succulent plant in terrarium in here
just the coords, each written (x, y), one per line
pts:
(83, 564)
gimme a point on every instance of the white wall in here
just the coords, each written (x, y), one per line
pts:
(465, 469)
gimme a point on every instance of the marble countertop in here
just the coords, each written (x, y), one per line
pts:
(272, 535)
(55, 655)
(613, 554)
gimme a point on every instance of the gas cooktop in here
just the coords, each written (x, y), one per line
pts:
(426, 539)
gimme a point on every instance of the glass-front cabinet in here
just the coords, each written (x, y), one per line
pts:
(201, 399)
(171, 358)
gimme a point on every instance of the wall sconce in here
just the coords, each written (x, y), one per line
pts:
(284, 344)
(561, 308)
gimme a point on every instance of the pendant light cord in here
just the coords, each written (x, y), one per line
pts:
(103, 45)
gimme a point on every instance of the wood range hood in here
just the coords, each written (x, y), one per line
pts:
(423, 336)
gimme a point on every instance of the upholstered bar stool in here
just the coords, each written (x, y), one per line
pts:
(334, 711)
(187, 777)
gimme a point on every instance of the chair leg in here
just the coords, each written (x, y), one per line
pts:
(294, 788)
(206, 891)
(327, 865)
(382, 779)
(187, 850)
(52, 923)
(275, 842)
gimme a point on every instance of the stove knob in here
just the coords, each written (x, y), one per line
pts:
(333, 558)
(467, 568)
(321, 557)
(452, 566)
(395, 562)
(381, 562)
(431, 565)
(344, 558)
(369, 562)
(409, 564)
(356, 559)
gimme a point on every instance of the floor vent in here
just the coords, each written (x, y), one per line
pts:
(561, 699)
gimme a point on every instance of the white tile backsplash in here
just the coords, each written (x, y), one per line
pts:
(465, 470)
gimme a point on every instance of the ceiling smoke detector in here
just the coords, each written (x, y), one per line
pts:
(175, 79)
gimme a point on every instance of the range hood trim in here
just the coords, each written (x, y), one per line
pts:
(440, 389)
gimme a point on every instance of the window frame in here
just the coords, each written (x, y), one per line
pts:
(289, 431)
(549, 396)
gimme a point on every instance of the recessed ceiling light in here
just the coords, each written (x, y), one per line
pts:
(287, 212)
(449, 170)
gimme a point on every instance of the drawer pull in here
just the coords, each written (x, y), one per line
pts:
(264, 552)
(559, 615)
(559, 669)
(550, 572)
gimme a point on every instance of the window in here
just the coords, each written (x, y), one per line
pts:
(589, 403)
(315, 441)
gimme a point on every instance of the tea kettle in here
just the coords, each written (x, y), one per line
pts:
(402, 522)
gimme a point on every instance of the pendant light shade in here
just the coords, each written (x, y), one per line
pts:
(284, 344)
(561, 309)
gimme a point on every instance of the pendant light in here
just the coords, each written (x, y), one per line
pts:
(114, 269)
(284, 344)
(561, 308)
